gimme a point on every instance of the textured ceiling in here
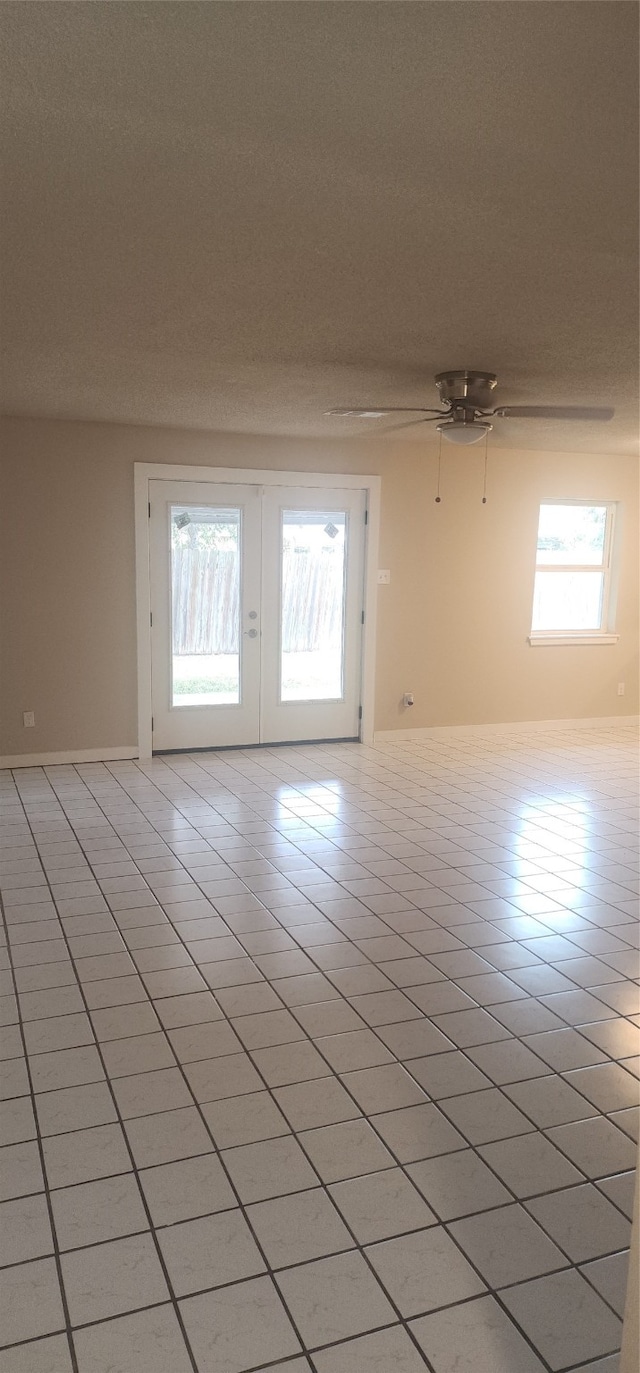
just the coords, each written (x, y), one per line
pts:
(239, 215)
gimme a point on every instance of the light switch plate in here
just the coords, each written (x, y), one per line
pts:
(384, 576)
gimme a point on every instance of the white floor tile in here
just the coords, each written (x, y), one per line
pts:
(282, 1004)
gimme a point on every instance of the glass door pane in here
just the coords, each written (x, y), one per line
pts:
(312, 605)
(205, 605)
(205, 569)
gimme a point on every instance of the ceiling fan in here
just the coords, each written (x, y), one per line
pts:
(466, 418)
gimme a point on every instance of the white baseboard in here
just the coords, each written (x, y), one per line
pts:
(397, 736)
(384, 736)
(80, 755)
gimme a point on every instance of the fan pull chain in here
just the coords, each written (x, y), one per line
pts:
(484, 486)
(439, 470)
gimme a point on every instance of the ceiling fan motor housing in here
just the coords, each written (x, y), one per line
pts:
(467, 390)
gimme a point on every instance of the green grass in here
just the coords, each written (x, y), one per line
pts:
(199, 686)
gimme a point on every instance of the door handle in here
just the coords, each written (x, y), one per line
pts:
(251, 633)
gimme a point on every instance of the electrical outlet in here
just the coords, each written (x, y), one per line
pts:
(28, 719)
(384, 576)
(620, 688)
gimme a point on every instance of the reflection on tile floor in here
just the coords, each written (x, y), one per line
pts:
(321, 1058)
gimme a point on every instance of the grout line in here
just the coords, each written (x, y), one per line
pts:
(348, 857)
(159, 1254)
(362, 1252)
(47, 1196)
(243, 1209)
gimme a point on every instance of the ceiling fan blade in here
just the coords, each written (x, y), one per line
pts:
(376, 412)
(555, 412)
(393, 428)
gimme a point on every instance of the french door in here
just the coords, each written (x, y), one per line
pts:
(256, 603)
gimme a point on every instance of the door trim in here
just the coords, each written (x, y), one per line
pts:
(144, 472)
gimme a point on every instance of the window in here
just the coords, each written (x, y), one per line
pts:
(573, 565)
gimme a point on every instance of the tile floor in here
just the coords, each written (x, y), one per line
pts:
(321, 1058)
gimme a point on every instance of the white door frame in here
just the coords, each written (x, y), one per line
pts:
(144, 472)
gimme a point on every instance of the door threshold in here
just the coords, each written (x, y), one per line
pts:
(235, 748)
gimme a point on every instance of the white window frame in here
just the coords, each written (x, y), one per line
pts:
(548, 638)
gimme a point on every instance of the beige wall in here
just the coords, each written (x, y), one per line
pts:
(452, 625)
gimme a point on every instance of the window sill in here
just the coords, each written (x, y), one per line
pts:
(571, 640)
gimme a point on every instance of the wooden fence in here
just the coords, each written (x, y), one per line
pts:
(206, 597)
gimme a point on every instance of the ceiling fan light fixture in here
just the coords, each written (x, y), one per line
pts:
(464, 432)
